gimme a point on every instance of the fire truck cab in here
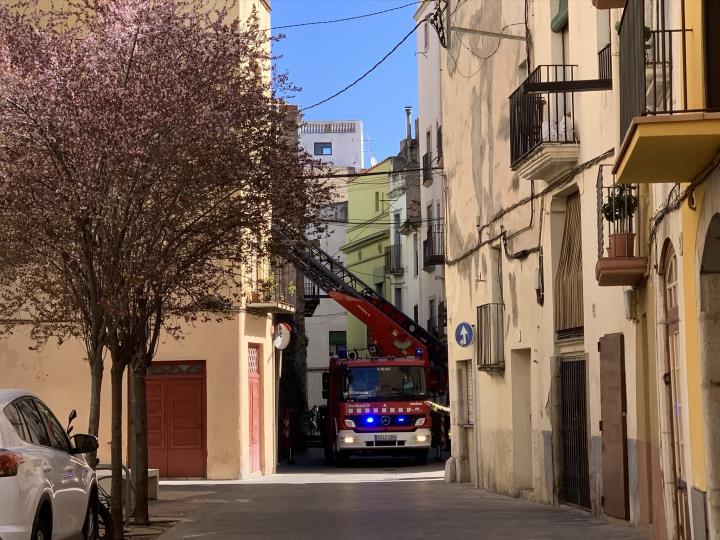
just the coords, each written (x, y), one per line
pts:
(376, 406)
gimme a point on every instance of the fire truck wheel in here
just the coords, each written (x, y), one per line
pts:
(421, 457)
(328, 453)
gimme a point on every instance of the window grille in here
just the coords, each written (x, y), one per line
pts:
(491, 334)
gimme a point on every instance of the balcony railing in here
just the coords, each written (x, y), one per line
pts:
(434, 247)
(491, 337)
(427, 168)
(273, 289)
(439, 140)
(619, 263)
(605, 64)
(653, 73)
(538, 117)
(393, 260)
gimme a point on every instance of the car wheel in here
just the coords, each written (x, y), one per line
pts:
(91, 521)
(41, 529)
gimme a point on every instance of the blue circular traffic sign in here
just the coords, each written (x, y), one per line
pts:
(464, 334)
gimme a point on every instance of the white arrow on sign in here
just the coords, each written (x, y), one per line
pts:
(463, 335)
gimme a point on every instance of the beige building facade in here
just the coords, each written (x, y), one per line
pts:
(557, 398)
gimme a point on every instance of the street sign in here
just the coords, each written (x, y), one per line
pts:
(282, 336)
(464, 334)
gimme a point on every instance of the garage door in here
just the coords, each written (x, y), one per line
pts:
(176, 419)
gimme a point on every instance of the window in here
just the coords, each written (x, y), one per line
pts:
(338, 341)
(33, 421)
(416, 314)
(379, 289)
(426, 35)
(429, 215)
(569, 280)
(59, 438)
(13, 416)
(415, 255)
(398, 298)
(396, 223)
(377, 201)
(323, 149)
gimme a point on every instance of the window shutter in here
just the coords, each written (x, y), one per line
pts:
(568, 282)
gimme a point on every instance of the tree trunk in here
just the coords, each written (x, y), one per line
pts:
(116, 494)
(96, 378)
(140, 448)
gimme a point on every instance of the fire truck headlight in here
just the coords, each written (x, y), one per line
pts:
(348, 440)
(349, 423)
(421, 438)
(420, 421)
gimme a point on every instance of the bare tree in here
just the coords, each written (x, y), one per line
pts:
(143, 157)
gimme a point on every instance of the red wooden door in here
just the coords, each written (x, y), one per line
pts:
(176, 419)
(255, 405)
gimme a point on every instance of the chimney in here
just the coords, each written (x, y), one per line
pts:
(408, 134)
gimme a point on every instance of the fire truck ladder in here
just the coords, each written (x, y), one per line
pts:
(332, 277)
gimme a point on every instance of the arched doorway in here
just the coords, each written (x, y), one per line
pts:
(674, 403)
(709, 285)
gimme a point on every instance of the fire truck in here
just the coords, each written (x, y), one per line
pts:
(376, 404)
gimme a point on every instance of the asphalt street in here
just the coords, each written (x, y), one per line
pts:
(371, 499)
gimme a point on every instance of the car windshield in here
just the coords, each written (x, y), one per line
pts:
(383, 382)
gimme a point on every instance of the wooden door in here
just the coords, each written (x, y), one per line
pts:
(255, 405)
(177, 438)
(613, 424)
(674, 398)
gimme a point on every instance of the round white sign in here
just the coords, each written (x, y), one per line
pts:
(282, 336)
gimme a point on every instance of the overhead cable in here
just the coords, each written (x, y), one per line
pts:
(346, 18)
(368, 72)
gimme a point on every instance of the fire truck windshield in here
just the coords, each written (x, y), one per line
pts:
(384, 382)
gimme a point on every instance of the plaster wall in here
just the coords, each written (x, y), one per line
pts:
(480, 187)
(347, 148)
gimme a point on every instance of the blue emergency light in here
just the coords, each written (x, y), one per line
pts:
(369, 420)
(401, 419)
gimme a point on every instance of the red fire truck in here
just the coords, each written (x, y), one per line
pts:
(375, 404)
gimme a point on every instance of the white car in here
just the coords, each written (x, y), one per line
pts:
(47, 489)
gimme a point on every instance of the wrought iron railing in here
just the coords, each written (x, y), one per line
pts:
(541, 117)
(605, 63)
(653, 73)
(427, 168)
(439, 143)
(274, 284)
(393, 260)
(491, 337)
(434, 246)
(617, 206)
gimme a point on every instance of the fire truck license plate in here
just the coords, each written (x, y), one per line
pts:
(386, 437)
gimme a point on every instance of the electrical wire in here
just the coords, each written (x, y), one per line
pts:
(298, 25)
(368, 72)
(483, 58)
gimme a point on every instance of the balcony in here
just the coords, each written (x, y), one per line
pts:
(272, 289)
(491, 337)
(542, 124)
(439, 140)
(618, 264)
(427, 173)
(670, 123)
(434, 247)
(393, 260)
(313, 294)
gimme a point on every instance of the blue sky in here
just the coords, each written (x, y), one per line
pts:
(322, 59)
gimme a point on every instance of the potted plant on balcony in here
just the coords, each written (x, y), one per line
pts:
(267, 288)
(619, 209)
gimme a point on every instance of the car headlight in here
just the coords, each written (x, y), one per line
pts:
(421, 438)
(349, 423)
(420, 421)
(348, 440)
